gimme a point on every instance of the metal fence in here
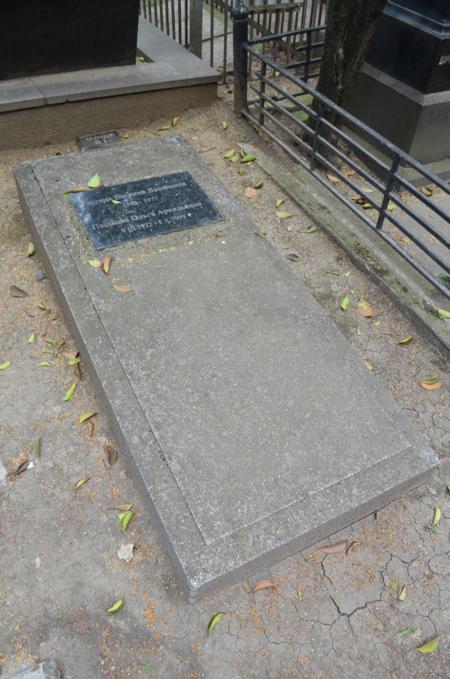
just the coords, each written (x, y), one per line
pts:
(206, 27)
(326, 140)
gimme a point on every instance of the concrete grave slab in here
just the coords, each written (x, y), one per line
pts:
(252, 423)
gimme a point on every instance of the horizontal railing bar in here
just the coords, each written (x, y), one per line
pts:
(423, 222)
(424, 199)
(296, 139)
(420, 244)
(287, 34)
(361, 171)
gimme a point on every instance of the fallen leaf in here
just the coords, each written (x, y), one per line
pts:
(74, 361)
(367, 190)
(368, 363)
(5, 365)
(393, 585)
(293, 257)
(279, 202)
(365, 308)
(402, 593)
(224, 125)
(431, 383)
(175, 120)
(345, 303)
(426, 190)
(122, 288)
(430, 646)
(125, 552)
(70, 392)
(112, 456)
(299, 594)
(332, 178)
(32, 338)
(406, 340)
(14, 291)
(124, 519)
(401, 238)
(123, 508)
(250, 192)
(337, 548)
(283, 215)
(229, 154)
(23, 466)
(41, 306)
(91, 429)
(259, 184)
(31, 249)
(77, 189)
(106, 264)
(263, 584)
(377, 324)
(94, 182)
(79, 484)
(391, 207)
(353, 545)
(443, 313)
(124, 135)
(36, 447)
(84, 417)
(141, 59)
(120, 603)
(437, 516)
(213, 622)
(248, 158)
(311, 229)
(43, 364)
(95, 263)
(116, 202)
(406, 631)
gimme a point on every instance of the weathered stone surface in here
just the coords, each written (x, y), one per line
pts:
(45, 670)
(252, 423)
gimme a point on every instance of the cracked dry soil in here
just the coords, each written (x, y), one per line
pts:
(330, 616)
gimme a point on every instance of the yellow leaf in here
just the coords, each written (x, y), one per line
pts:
(224, 124)
(95, 263)
(120, 603)
(437, 516)
(80, 483)
(279, 202)
(406, 340)
(282, 215)
(430, 646)
(70, 392)
(31, 249)
(84, 417)
(5, 365)
(94, 182)
(32, 338)
(175, 120)
(214, 620)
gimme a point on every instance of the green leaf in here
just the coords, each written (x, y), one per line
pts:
(44, 364)
(124, 519)
(393, 585)
(430, 646)
(406, 631)
(120, 603)
(94, 182)
(434, 379)
(5, 365)
(442, 313)
(95, 263)
(311, 229)
(437, 516)
(259, 184)
(74, 361)
(402, 594)
(444, 279)
(214, 620)
(345, 303)
(31, 249)
(248, 158)
(32, 338)
(229, 154)
(406, 340)
(36, 447)
(115, 202)
(70, 392)
(281, 214)
(84, 417)
(79, 484)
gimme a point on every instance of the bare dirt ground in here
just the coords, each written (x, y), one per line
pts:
(328, 616)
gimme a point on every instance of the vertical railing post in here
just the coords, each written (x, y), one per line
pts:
(196, 27)
(262, 91)
(240, 55)
(387, 191)
(317, 121)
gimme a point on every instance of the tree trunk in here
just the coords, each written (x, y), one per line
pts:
(350, 26)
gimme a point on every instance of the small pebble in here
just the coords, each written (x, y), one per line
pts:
(40, 276)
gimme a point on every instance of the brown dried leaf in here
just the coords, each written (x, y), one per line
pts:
(365, 308)
(14, 291)
(337, 548)
(91, 428)
(111, 454)
(332, 178)
(106, 264)
(250, 192)
(293, 257)
(430, 386)
(427, 190)
(263, 584)
(353, 545)
(77, 189)
(23, 466)
(122, 288)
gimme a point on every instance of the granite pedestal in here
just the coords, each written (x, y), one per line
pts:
(253, 425)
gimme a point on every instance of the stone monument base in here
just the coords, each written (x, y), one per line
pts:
(418, 123)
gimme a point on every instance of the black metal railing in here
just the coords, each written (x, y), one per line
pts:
(206, 26)
(327, 141)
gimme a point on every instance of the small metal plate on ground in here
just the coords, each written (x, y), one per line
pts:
(147, 207)
(97, 141)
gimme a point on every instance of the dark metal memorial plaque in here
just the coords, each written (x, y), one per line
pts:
(148, 207)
